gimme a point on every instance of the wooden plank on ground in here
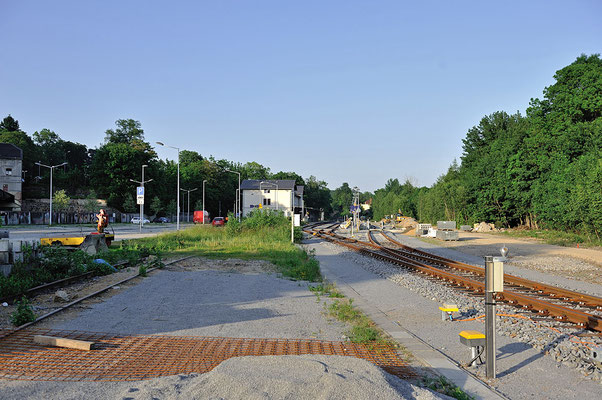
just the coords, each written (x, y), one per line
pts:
(63, 342)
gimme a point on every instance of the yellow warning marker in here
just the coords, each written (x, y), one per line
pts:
(474, 340)
(446, 311)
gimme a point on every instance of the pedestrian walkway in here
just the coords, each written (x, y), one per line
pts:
(379, 299)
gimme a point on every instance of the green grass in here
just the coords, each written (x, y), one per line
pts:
(558, 238)
(271, 243)
(362, 330)
(444, 386)
(325, 289)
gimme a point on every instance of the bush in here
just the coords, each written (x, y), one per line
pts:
(23, 314)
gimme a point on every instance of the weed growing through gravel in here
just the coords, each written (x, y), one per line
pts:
(23, 314)
(363, 330)
(142, 270)
(442, 385)
(325, 289)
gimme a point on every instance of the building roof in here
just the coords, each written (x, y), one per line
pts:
(9, 150)
(253, 184)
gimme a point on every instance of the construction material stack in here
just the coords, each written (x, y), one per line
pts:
(446, 230)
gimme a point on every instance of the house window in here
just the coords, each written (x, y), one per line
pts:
(266, 190)
(267, 202)
(8, 171)
(5, 188)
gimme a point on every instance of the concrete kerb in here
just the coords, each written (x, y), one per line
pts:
(423, 352)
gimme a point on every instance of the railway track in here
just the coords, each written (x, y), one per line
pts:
(560, 304)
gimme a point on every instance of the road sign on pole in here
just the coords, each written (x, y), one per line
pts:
(140, 195)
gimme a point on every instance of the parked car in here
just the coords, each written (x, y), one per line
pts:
(218, 221)
(161, 220)
(136, 220)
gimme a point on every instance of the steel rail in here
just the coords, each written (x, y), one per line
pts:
(581, 299)
(558, 312)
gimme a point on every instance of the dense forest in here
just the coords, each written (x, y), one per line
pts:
(106, 171)
(542, 170)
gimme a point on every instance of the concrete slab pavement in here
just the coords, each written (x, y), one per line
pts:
(380, 300)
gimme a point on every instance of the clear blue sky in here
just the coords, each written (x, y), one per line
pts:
(348, 91)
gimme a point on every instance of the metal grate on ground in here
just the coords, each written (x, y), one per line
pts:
(129, 358)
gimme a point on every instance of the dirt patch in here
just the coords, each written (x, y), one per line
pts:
(44, 303)
(228, 265)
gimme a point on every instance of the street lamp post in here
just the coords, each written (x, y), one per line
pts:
(141, 183)
(52, 167)
(188, 212)
(238, 207)
(204, 181)
(178, 196)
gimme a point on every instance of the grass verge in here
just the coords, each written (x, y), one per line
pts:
(262, 237)
(362, 330)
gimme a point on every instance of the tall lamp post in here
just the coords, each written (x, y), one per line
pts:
(52, 167)
(188, 212)
(238, 207)
(204, 181)
(178, 196)
(141, 183)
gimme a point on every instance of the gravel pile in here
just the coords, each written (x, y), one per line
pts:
(556, 339)
(268, 377)
(564, 266)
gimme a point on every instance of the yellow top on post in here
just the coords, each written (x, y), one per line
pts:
(472, 335)
(449, 308)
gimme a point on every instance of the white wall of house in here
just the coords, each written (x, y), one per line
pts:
(278, 200)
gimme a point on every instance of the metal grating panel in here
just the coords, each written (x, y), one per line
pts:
(128, 358)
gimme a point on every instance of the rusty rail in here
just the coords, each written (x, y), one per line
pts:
(542, 307)
(571, 296)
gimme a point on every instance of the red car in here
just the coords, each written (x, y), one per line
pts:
(218, 221)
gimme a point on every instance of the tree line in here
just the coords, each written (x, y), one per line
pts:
(540, 170)
(106, 171)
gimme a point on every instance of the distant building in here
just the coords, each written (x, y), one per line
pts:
(11, 165)
(367, 205)
(283, 195)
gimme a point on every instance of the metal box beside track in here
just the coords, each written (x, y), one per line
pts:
(447, 235)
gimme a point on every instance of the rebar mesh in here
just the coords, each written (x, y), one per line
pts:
(128, 358)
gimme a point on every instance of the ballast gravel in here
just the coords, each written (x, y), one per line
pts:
(554, 345)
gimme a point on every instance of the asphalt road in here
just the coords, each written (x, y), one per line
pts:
(122, 231)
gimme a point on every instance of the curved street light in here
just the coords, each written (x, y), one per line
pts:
(237, 206)
(178, 196)
(52, 167)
